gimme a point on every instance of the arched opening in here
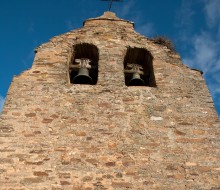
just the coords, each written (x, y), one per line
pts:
(138, 68)
(84, 65)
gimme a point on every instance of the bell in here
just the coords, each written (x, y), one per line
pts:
(136, 80)
(82, 77)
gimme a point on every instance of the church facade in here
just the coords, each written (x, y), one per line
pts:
(104, 107)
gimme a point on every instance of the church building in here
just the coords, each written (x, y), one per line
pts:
(105, 108)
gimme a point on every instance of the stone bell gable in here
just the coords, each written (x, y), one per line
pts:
(104, 107)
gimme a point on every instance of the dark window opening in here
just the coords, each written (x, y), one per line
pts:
(84, 66)
(138, 68)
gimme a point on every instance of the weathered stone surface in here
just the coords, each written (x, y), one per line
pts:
(57, 135)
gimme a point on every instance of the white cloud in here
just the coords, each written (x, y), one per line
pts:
(141, 25)
(31, 27)
(2, 100)
(185, 13)
(146, 29)
(212, 11)
(27, 61)
(204, 54)
(213, 15)
(184, 21)
(69, 24)
(126, 9)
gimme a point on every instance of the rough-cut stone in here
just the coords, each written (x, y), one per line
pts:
(154, 118)
(58, 135)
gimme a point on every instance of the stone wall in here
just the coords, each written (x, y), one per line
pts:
(57, 135)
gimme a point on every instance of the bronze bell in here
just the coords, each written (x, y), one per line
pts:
(136, 80)
(82, 77)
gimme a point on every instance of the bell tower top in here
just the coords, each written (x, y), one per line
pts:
(110, 15)
(105, 18)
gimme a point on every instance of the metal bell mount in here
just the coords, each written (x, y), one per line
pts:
(136, 71)
(83, 73)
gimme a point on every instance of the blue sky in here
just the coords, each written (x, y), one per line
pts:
(193, 26)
